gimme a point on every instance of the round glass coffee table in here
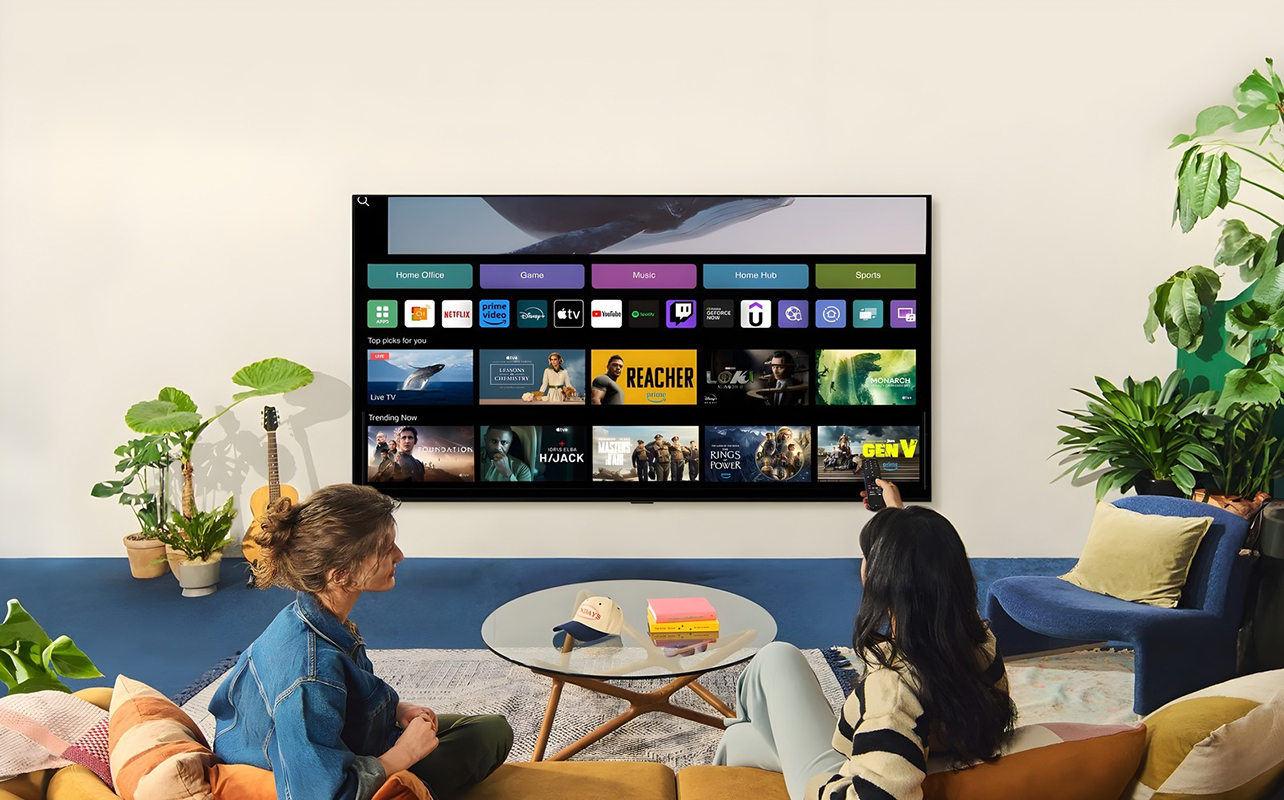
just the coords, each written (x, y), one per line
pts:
(521, 631)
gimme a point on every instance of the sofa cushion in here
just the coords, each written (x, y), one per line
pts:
(1142, 558)
(78, 783)
(50, 729)
(1046, 761)
(582, 780)
(718, 783)
(31, 786)
(157, 751)
(243, 782)
(1224, 742)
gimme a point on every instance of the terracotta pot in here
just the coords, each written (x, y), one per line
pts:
(199, 578)
(143, 555)
(1243, 506)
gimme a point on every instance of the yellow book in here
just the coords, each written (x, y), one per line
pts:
(689, 626)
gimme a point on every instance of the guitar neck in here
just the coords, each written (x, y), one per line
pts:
(274, 473)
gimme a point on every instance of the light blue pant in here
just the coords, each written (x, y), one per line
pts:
(783, 721)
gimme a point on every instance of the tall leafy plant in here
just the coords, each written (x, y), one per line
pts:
(1140, 430)
(174, 412)
(143, 461)
(1210, 179)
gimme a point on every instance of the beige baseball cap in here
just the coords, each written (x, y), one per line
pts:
(596, 618)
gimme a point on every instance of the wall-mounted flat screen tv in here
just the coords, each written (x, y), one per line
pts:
(639, 347)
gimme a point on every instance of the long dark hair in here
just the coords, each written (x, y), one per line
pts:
(919, 611)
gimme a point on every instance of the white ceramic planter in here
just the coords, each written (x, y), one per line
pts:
(199, 578)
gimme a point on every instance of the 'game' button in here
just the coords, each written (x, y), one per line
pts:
(644, 276)
(532, 276)
(756, 276)
(419, 276)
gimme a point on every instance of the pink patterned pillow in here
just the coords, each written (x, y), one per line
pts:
(45, 730)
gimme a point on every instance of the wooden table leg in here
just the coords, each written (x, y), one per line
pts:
(639, 703)
(712, 699)
(546, 727)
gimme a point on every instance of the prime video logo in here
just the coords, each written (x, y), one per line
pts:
(493, 313)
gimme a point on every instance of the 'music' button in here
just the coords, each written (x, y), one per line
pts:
(644, 276)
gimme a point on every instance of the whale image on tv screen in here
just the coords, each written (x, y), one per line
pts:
(419, 377)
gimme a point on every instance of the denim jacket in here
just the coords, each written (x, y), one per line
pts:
(303, 701)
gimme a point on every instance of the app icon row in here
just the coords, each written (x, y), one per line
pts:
(678, 313)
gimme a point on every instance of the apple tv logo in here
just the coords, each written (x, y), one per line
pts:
(568, 313)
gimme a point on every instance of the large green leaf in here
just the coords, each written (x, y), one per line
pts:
(1209, 184)
(1269, 290)
(1263, 116)
(1207, 284)
(1188, 189)
(42, 682)
(64, 658)
(1186, 314)
(1254, 92)
(181, 400)
(19, 626)
(1155, 309)
(1239, 246)
(1231, 172)
(160, 416)
(1246, 386)
(271, 376)
(1213, 119)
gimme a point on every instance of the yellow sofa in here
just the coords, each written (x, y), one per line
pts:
(582, 780)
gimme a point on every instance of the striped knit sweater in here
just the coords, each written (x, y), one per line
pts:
(886, 736)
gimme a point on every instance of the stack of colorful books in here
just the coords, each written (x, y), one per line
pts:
(681, 623)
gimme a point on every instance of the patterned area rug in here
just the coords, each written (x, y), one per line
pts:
(1094, 686)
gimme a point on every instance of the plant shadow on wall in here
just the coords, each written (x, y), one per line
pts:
(1213, 436)
(326, 399)
(200, 535)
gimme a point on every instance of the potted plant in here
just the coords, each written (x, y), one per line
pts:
(31, 662)
(1252, 342)
(174, 412)
(200, 538)
(1148, 435)
(143, 461)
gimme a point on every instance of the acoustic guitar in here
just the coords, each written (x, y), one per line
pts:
(265, 495)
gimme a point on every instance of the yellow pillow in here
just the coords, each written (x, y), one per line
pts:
(1225, 742)
(1139, 557)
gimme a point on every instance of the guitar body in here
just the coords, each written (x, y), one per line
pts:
(259, 502)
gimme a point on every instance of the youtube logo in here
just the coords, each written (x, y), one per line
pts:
(607, 313)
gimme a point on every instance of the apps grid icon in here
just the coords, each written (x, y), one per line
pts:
(381, 314)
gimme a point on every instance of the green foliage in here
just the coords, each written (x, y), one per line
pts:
(201, 535)
(174, 412)
(1140, 429)
(1250, 456)
(31, 662)
(143, 460)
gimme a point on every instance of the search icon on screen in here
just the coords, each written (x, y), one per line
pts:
(361, 201)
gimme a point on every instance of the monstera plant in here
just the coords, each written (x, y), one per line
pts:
(1211, 179)
(174, 412)
(32, 662)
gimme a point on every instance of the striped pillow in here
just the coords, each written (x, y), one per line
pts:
(156, 751)
(1224, 742)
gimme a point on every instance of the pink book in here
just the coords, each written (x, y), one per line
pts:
(680, 609)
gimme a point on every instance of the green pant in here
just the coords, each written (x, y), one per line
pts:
(468, 749)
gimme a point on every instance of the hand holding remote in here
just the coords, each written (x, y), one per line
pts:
(873, 493)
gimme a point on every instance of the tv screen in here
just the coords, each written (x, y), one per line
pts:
(639, 347)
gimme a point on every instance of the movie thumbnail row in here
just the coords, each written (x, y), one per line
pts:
(418, 454)
(736, 378)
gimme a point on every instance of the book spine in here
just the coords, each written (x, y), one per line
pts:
(683, 627)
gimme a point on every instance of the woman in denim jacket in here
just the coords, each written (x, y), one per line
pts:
(303, 700)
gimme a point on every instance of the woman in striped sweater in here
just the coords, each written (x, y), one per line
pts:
(934, 681)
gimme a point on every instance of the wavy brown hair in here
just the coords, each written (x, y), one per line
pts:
(918, 608)
(342, 527)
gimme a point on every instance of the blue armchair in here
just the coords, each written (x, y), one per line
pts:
(1178, 650)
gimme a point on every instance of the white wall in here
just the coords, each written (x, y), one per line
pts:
(174, 184)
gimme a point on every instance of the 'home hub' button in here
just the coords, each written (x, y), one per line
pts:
(532, 276)
(756, 276)
(644, 276)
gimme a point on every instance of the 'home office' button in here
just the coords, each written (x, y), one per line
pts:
(532, 276)
(419, 276)
(644, 276)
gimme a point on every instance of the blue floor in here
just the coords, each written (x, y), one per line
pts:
(146, 630)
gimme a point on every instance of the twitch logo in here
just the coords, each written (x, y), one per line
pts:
(680, 314)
